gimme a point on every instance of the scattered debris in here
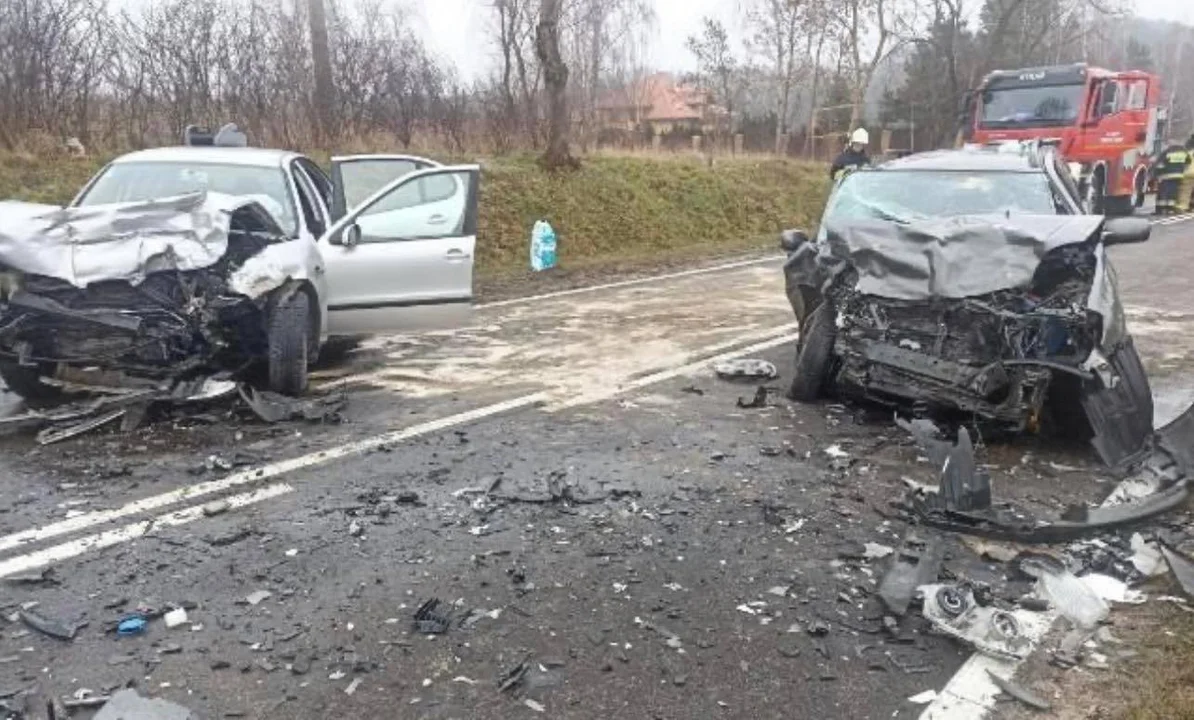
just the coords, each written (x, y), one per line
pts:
(54, 627)
(876, 551)
(275, 408)
(835, 452)
(33, 577)
(991, 550)
(923, 698)
(352, 686)
(216, 507)
(1018, 692)
(175, 617)
(256, 598)
(953, 611)
(1146, 557)
(746, 368)
(532, 704)
(758, 401)
(1071, 596)
(916, 563)
(431, 620)
(132, 625)
(1182, 567)
(128, 705)
(1112, 589)
(514, 677)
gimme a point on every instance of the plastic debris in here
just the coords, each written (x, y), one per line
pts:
(1113, 589)
(915, 564)
(258, 597)
(536, 706)
(876, 551)
(758, 401)
(1071, 596)
(132, 625)
(352, 686)
(54, 627)
(746, 368)
(430, 620)
(1182, 567)
(1018, 692)
(953, 611)
(175, 617)
(923, 698)
(1146, 557)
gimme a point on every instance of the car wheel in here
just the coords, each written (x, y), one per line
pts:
(814, 354)
(26, 382)
(1118, 206)
(289, 328)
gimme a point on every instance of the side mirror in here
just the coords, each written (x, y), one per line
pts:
(1126, 231)
(348, 237)
(789, 240)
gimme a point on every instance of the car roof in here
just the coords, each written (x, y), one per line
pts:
(987, 158)
(247, 156)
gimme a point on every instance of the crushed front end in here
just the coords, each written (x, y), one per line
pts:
(134, 295)
(998, 319)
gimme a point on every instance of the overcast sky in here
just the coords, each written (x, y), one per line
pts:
(456, 29)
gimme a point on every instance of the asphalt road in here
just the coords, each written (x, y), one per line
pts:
(572, 483)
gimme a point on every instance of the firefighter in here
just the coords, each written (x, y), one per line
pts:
(1171, 170)
(854, 156)
(1185, 188)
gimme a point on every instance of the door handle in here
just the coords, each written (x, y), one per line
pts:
(437, 220)
(456, 254)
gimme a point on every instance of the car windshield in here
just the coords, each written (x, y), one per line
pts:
(139, 181)
(1031, 106)
(908, 195)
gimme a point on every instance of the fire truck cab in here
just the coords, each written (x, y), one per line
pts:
(1107, 125)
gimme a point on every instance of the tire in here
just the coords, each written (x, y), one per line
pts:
(26, 382)
(289, 330)
(814, 355)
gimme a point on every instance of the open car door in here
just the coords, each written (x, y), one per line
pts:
(402, 259)
(355, 178)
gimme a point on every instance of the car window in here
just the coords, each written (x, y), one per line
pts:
(319, 178)
(362, 178)
(904, 196)
(308, 202)
(404, 214)
(140, 181)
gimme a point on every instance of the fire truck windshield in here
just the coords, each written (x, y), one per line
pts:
(1049, 105)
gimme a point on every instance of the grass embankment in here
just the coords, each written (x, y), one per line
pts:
(614, 212)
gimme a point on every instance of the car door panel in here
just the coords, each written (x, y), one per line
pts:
(412, 268)
(357, 177)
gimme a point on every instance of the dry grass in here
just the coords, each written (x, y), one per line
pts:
(617, 209)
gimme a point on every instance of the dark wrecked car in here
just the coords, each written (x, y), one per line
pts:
(178, 264)
(1011, 316)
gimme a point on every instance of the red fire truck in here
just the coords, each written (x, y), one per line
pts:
(1107, 125)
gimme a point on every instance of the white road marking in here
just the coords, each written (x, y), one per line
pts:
(74, 548)
(630, 283)
(265, 472)
(1173, 219)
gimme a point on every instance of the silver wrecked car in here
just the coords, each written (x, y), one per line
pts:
(177, 262)
(1010, 315)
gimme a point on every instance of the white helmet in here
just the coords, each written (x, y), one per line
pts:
(861, 136)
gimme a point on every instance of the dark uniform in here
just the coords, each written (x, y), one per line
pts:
(850, 159)
(1171, 169)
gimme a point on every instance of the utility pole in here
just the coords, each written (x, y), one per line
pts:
(324, 101)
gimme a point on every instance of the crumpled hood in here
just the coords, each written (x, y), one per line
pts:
(950, 257)
(126, 241)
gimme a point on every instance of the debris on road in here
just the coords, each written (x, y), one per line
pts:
(758, 401)
(745, 368)
(128, 705)
(58, 628)
(431, 620)
(1182, 567)
(274, 408)
(132, 625)
(954, 611)
(1017, 692)
(916, 563)
(175, 617)
(258, 597)
(923, 698)
(1067, 593)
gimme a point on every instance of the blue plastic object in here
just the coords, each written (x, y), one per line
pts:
(543, 247)
(131, 625)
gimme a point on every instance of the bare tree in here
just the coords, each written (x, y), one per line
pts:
(872, 31)
(325, 89)
(779, 27)
(718, 65)
(555, 74)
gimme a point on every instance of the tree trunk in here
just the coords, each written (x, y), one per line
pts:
(555, 77)
(325, 90)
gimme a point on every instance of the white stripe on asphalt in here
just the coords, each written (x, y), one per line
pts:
(631, 283)
(1173, 220)
(74, 548)
(254, 475)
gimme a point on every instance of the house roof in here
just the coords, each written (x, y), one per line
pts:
(660, 98)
